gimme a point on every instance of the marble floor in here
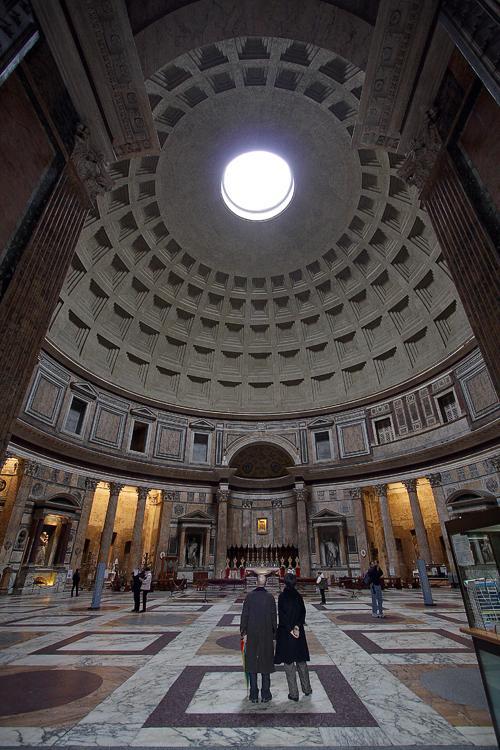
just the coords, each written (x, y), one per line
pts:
(172, 677)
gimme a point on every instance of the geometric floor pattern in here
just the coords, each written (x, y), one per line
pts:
(172, 677)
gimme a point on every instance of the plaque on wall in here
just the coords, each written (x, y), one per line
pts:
(262, 526)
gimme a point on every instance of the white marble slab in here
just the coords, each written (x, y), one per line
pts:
(415, 639)
(226, 693)
(112, 642)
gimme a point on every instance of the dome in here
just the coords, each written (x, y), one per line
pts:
(174, 298)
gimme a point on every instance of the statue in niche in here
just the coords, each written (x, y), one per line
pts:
(331, 550)
(192, 553)
(41, 552)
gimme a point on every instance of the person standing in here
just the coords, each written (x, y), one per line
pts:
(291, 644)
(136, 588)
(374, 576)
(258, 627)
(147, 579)
(322, 584)
(75, 582)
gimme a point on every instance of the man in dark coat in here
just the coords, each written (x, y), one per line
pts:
(75, 582)
(258, 627)
(291, 644)
(137, 577)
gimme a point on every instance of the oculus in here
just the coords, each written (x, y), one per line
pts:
(257, 185)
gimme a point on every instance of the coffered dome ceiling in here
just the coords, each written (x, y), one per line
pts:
(171, 296)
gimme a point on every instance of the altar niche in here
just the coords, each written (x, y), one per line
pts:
(194, 533)
(48, 543)
(330, 535)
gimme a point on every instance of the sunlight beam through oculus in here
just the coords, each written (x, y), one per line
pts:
(257, 185)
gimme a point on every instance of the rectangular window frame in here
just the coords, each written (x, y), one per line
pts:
(439, 396)
(375, 433)
(64, 427)
(131, 436)
(206, 435)
(320, 431)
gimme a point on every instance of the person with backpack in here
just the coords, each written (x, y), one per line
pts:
(373, 578)
(322, 584)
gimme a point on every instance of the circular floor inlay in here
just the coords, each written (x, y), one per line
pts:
(231, 642)
(458, 684)
(368, 619)
(24, 692)
(257, 185)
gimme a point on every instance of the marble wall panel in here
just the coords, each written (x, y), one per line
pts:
(45, 399)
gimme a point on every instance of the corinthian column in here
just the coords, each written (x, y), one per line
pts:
(109, 522)
(418, 521)
(303, 532)
(105, 545)
(356, 495)
(88, 499)
(390, 541)
(163, 540)
(135, 557)
(443, 515)
(221, 548)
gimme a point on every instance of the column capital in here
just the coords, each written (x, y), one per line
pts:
(142, 492)
(434, 479)
(410, 484)
(223, 495)
(115, 488)
(91, 484)
(301, 494)
(380, 490)
(356, 493)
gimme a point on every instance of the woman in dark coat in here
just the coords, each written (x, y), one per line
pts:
(291, 644)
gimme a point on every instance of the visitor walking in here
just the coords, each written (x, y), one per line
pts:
(136, 588)
(258, 628)
(322, 584)
(75, 582)
(291, 644)
(147, 579)
(374, 576)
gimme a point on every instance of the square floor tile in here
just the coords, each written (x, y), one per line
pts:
(51, 621)
(414, 642)
(214, 696)
(93, 643)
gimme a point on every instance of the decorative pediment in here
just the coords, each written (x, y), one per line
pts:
(320, 422)
(143, 413)
(327, 515)
(202, 424)
(84, 389)
(196, 516)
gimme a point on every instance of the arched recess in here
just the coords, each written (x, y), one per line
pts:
(465, 499)
(210, 22)
(261, 459)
